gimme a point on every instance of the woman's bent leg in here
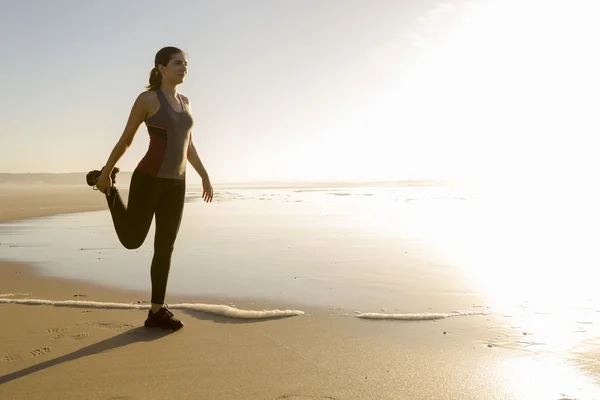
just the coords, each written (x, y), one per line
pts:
(169, 211)
(132, 222)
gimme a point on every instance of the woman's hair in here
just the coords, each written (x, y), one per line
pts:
(163, 57)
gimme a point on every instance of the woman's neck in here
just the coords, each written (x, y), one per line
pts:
(169, 89)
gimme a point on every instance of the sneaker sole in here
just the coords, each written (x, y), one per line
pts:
(147, 325)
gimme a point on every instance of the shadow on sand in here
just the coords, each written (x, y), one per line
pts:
(139, 334)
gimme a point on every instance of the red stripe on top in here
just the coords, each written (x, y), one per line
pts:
(157, 127)
(151, 162)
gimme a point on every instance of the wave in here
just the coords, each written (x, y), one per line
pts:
(218, 309)
(418, 316)
(227, 311)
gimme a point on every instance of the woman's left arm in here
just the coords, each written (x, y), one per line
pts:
(194, 159)
(192, 154)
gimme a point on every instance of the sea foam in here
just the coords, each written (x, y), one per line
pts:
(218, 309)
(418, 316)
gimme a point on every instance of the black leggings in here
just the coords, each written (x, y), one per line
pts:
(149, 196)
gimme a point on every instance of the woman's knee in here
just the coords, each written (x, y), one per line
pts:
(132, 243)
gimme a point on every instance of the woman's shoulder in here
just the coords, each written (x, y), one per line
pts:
(147, 100)
(148, 96)
(185, 99)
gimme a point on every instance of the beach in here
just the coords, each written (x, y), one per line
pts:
(295, 296)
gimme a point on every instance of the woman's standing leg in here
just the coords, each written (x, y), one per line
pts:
(169, 212)
(132, 222)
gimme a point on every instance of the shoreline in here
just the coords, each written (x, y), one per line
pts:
(22, 280)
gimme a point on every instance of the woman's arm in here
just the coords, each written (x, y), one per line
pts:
(192, 154)
(136, 117)
(194, 159)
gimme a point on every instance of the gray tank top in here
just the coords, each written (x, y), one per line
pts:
(170, 135)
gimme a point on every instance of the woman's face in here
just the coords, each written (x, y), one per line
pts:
(176, 70)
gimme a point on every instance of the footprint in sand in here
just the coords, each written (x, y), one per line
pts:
(40, 351)
(79, 336)
(9, 358)
(59, 336)
(56, 330)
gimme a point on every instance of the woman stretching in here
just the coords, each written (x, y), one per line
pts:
(158, 182)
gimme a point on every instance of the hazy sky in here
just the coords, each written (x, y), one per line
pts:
(328, 89)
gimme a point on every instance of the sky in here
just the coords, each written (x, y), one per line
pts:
(312, 90)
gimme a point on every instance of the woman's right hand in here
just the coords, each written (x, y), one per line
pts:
(104, 183)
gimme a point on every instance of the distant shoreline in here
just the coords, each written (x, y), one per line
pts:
(78, 178)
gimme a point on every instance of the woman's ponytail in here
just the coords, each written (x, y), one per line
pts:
(155, 79)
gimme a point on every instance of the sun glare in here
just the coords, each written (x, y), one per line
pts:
(496, 99)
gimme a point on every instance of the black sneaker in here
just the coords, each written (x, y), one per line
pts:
(164, 319)
(92, 176)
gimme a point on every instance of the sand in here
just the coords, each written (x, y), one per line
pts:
(49, 352)
(21, 201)
(70, 353)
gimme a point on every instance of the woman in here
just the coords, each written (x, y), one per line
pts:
(158, 182)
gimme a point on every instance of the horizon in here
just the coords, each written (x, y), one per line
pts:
(78, 176)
